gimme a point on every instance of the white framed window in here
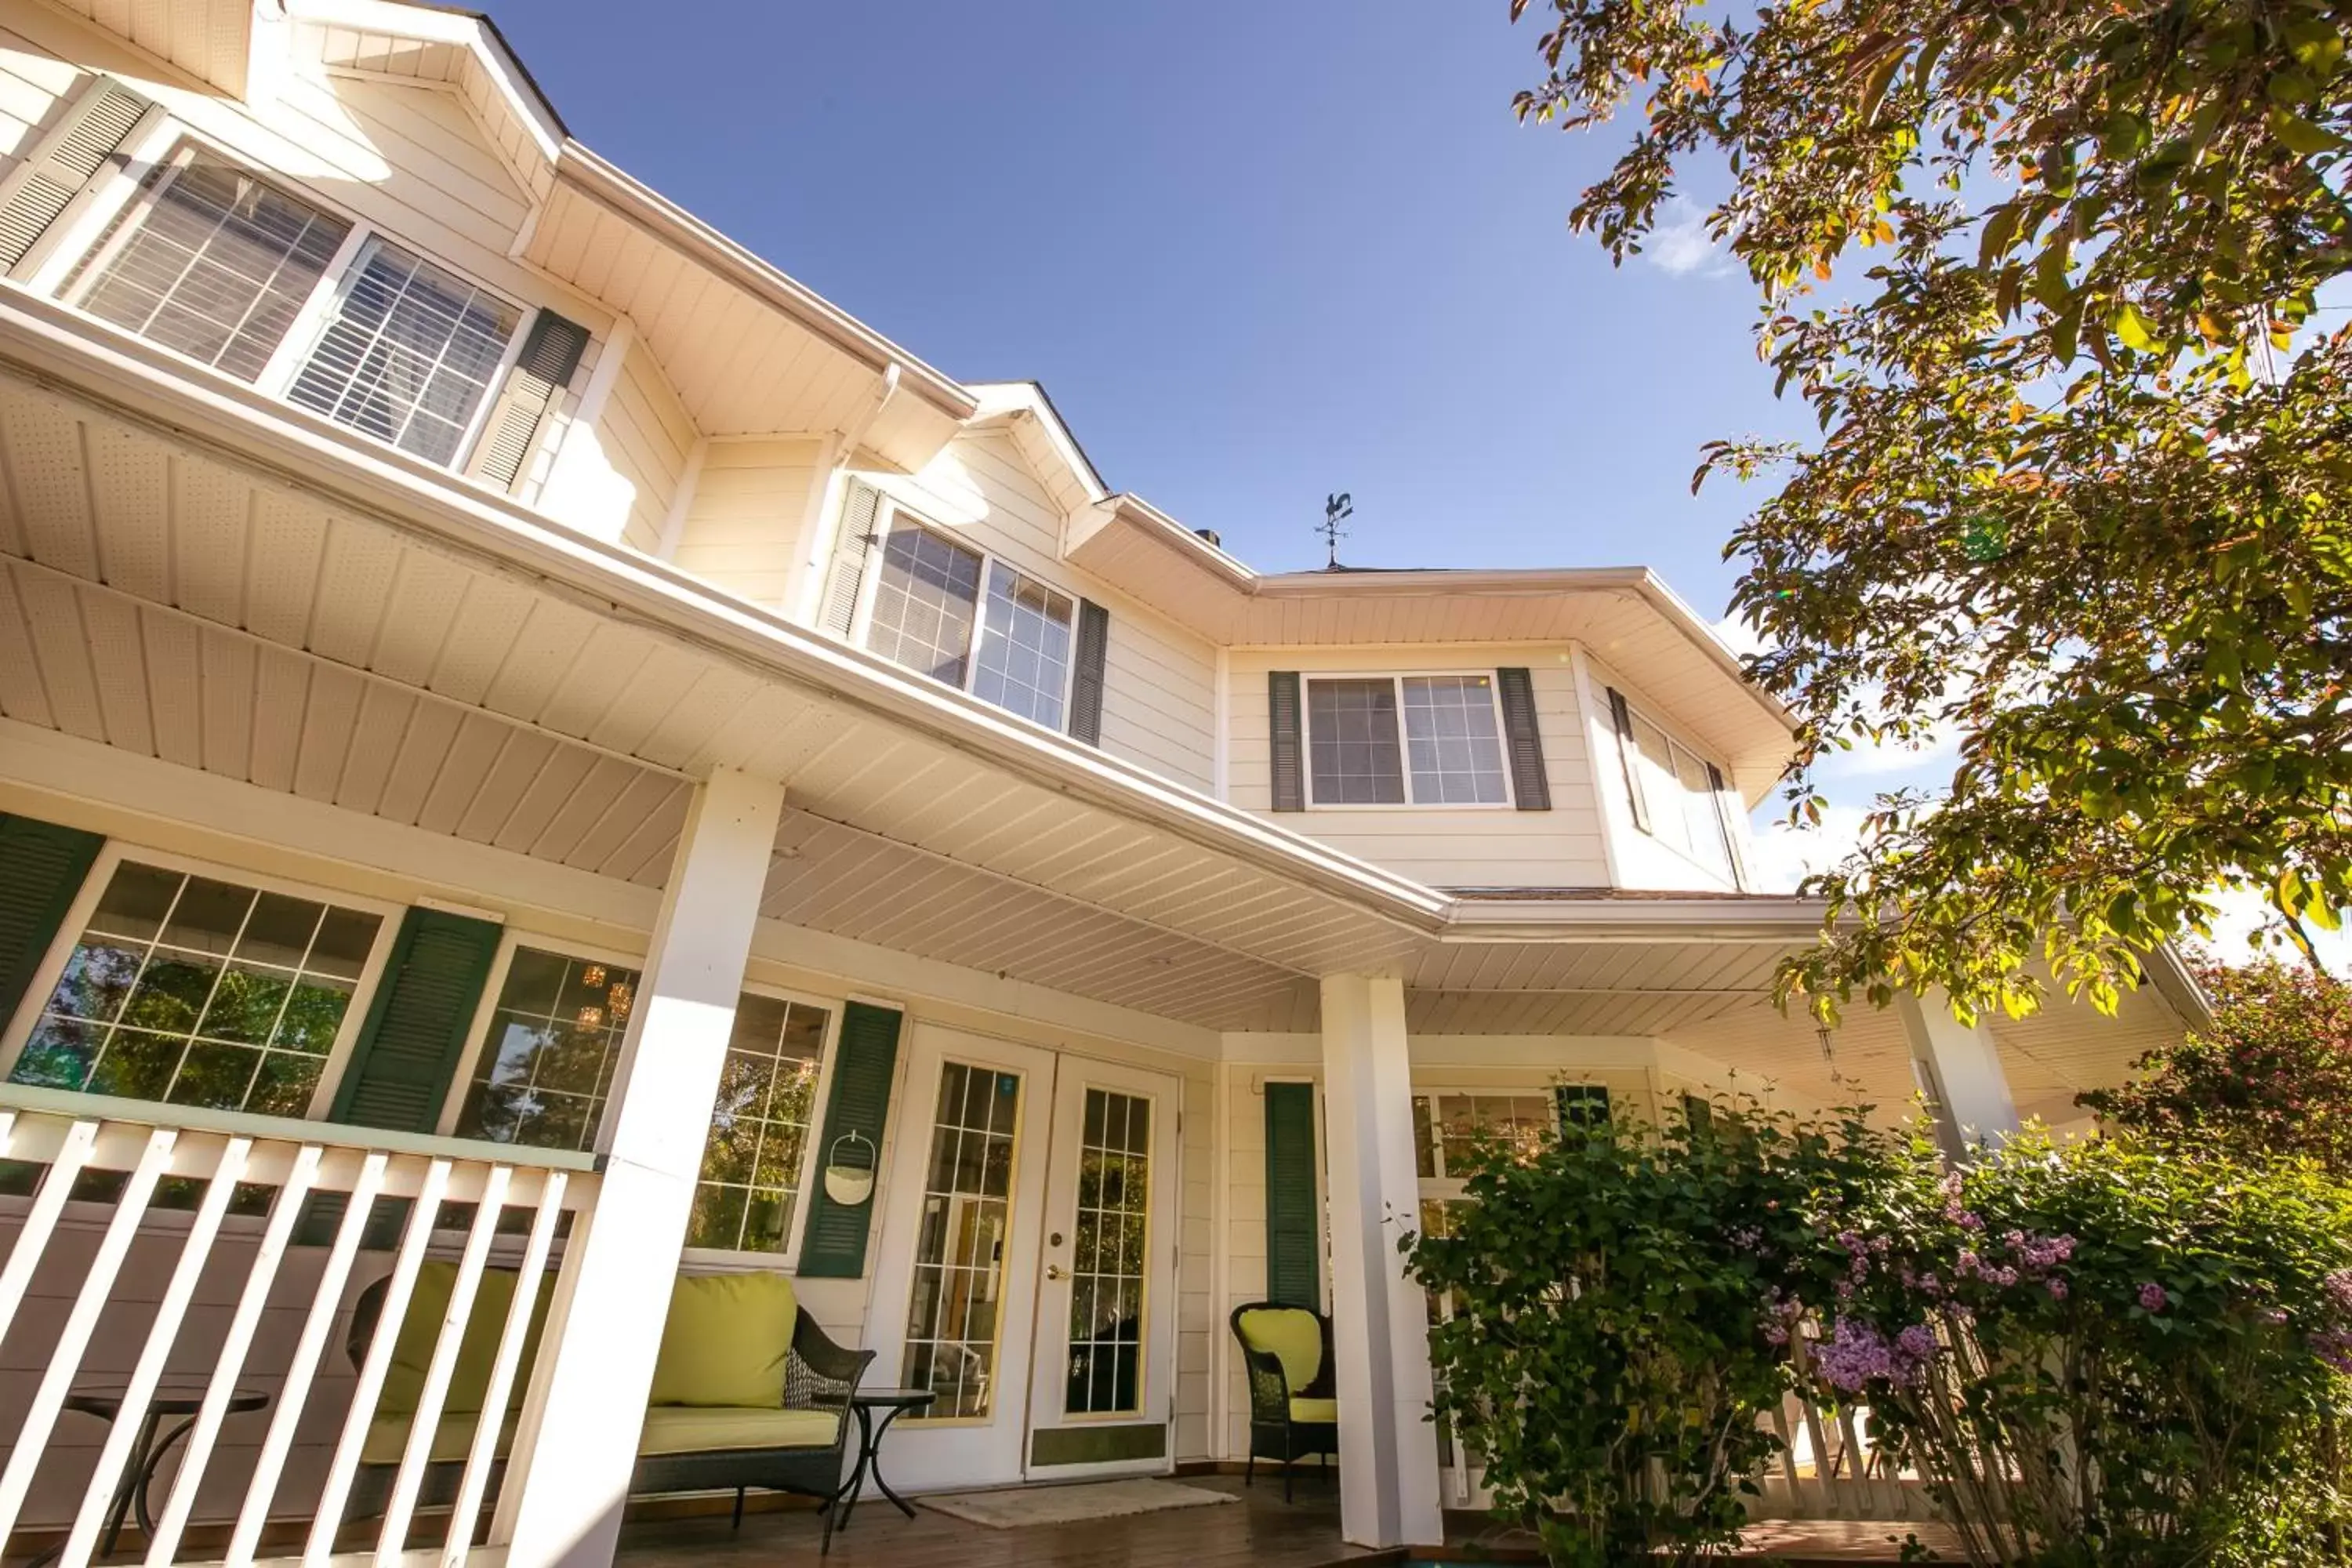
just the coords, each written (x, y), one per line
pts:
(179, 981)
(1681, 802)
(762, 1152)
(962, 616)
(545, 1040)
(215, 261)
(1405, 740)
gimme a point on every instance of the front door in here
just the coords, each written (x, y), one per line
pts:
(1106, 1327)
(955, 1288)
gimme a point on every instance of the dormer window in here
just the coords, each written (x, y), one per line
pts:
(211, 261)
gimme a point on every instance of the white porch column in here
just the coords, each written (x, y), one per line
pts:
(1961, 1066)
(1380, 1327)
(578, 1437)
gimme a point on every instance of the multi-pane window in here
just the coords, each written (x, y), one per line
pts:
(410, 354)
(1024, 651)
(1010, 645)
(211, 262)
(750, 1177)
(1426, 740)
(1449, 1124)
(1684, 796)
(1351, 742)
(926, 604)
(199, 992)
(954, 1317)
(215, 262)
(546, 1064)
(1114, 1236)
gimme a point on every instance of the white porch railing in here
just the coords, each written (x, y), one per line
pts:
(73, 1136)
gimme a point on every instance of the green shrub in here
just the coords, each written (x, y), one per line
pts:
(1613, 1347)
(2108, 1352)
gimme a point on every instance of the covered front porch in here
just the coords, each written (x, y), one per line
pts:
(605, 931)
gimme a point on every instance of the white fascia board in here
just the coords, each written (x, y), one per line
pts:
(81, 360)
(1767, 920)
(999, 401)
(602, 181)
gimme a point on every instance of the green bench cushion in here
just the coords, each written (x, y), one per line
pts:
(411, 1353)
(725, 1341)
(669, 1430)
(1304, 1410)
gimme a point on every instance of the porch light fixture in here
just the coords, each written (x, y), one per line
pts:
(592, 975)
(592, 1017)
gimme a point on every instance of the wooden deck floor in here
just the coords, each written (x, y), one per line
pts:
(1262, 1532)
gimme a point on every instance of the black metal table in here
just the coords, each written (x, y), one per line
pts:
(892, 1403)
(146, 1453)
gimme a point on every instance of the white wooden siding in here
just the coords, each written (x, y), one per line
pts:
(1160, 685)
(32, 83)
(1445, 847)
(646, 436)
(743, 524)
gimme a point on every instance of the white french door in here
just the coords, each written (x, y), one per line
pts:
(955, 1287)
(1106, 1325)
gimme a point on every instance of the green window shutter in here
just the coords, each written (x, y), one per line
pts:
(1086, 679)
(42, 867)
(551, 352)
(54, 173)
(1294, 1235)
(408, 1050)
(1285, 758)
(859, 508)
(832, 1242)
(1530, 786)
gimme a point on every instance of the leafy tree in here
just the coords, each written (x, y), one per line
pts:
(2082, 484)
(2270, 1079)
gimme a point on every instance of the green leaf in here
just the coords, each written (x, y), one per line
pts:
(2134, 328)
(2300, 136)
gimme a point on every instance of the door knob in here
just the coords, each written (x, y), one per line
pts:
(1052, 1271)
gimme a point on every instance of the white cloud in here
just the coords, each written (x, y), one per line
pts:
(2242, 912)
(1679, 243)
(1782, 855)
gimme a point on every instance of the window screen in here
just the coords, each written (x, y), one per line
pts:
(211, 262)
(411, 353)
(1024, 648)
(925, 604)
(1353, 757)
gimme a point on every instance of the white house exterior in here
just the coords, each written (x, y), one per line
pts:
(492, 668)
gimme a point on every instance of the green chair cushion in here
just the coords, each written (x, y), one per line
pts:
(725, 1341)
(702, 1429)
(1314, 1409)
(411, 1353)
(669, 1429)
(1293, 1334)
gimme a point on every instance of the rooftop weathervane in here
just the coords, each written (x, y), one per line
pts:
(1337, 509)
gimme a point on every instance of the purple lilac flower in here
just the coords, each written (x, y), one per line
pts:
(2057, 1288)
(2338, 1286)
(1856, 1354)
(2152, 1297)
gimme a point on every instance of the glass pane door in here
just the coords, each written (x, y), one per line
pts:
(956, 1256)
(955, 1315)
(1105, 1300)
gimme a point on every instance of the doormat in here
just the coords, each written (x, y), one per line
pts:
(1022, 1506)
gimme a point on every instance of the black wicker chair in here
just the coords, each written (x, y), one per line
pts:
(1292, 1411)
(818, 1376)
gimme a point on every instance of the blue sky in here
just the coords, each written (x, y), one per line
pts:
(1257, 252)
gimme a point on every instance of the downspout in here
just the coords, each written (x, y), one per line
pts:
(801, 596)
